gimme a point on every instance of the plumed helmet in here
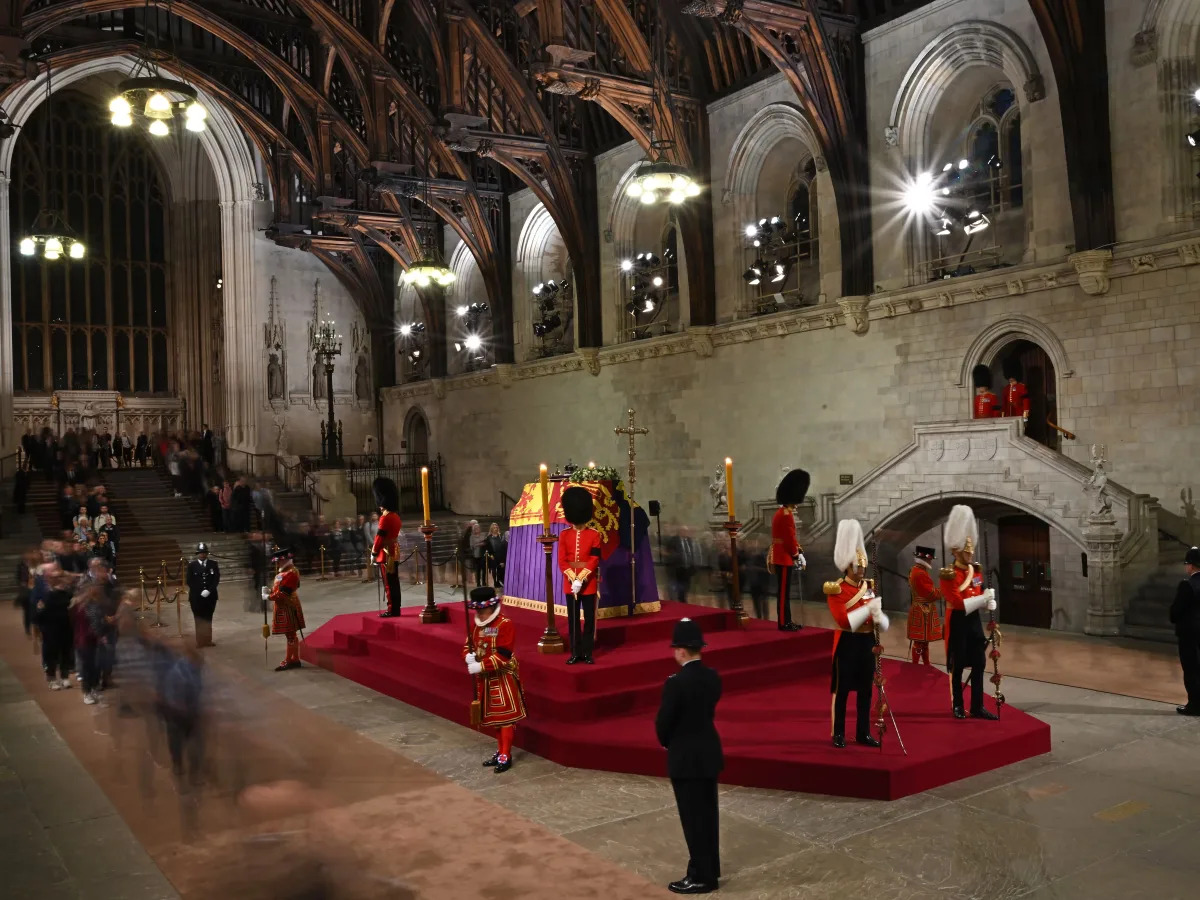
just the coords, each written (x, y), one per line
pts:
(1012, 367)
(687, 635)
(981, 376)
(483, 598)
(962, 532)
(577, 505)
(387, 495)
(849, 549)
(792, 488)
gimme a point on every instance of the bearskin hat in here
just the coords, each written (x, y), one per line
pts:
(577, 504)
(961, 528)
(981, 376)
(1012, 368)
(849, 545)
(792, 488)
(387, 495)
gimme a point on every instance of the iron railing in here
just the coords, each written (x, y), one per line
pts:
(406, 474)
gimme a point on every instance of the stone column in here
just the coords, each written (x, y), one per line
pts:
(245, 388)
(8, 434)
(1106, 606)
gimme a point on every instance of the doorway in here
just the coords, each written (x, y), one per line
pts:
(1025, 577)
(416, 437)
(1039, 378)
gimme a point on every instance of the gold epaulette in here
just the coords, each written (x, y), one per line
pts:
(947, 572)
(833, 587)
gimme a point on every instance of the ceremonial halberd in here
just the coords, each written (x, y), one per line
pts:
(525, 572)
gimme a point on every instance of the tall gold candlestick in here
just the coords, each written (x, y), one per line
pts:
(729, 487)
(544, 478)
(425, 493)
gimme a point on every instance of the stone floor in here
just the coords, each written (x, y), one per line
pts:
(1112, 811)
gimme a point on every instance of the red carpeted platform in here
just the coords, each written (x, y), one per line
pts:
(774, 718)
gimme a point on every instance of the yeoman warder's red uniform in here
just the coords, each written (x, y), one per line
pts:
(288, 613)
(924, 620)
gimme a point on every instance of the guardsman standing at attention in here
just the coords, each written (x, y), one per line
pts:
(987, 404)
(386, 549)
(786, 551)
(579, 560)
(289, 614)
(1016, 395)
(924, 621)
(962, 586)
(857, 611)
(489, 655)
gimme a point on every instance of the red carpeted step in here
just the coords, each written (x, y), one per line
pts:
(773, 717)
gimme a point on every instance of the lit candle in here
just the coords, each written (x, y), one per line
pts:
(545, 481)
(425, 492)
(729, 486)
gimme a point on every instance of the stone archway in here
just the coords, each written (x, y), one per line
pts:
(416, 435)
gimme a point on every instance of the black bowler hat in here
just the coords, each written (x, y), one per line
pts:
(924, 552)
(1192, 557)
(687, 635)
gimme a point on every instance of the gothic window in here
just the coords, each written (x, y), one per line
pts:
(100, 323)
(993, 151)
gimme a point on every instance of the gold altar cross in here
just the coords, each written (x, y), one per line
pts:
(633, 431)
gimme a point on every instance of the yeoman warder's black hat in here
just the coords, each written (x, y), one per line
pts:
(924, 552)
(687, 635)
(577, 505)
(483, 598)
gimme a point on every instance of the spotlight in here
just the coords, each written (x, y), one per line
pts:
(780, 270)
(473, 342)
(457, 347)
(751, 231)
(1194, 138)
(538, 288)
(631, 308)
(962, 164)
(918, 197)
(942, 227)
(626, 265)
(649, 307)
(405, 330)
(462, 310)
(947, 167)
(754, 274)
(976, 222)
(1196, 96)
(657, 281)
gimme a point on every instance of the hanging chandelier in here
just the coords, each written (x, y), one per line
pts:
(149, 96)
(50, 231)
(657, 179)
(427, 271)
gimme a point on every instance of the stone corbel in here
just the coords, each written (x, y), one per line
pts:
(439, 387)
(1093, 268)
(504, 374)
(702, 341)
(590, 356)
(1035, 88)
(854, 309)
(1145, 48)
(891, 136)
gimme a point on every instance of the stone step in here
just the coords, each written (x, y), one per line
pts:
(1156, 633)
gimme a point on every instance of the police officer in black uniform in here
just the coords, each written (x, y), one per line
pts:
(203, 576)
(694, 758)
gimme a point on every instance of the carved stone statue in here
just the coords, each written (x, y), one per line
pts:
(716, 490)
(1097, 486)
(362, 381)
(274, 378)
(318, 375)
(281, 441)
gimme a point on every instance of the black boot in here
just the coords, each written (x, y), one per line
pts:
(839, 741)
(959, 712)
(866, 740)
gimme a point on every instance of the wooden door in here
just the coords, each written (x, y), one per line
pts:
(1024, 564)
(1040, 382)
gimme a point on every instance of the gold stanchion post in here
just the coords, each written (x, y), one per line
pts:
(158, 598)
(323, 576)
(142, 582)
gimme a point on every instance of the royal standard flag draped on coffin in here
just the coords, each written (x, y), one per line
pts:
(525, 572)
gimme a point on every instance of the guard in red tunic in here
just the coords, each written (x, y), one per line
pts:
(489, 655)
(786, 552)
(386, 549)
(579, 559)
(857, 611)
(962, 586)
(924, 621)
(987, 404)
(1016, 395)
(289, 614)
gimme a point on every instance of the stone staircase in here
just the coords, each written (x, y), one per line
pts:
(1148, 614)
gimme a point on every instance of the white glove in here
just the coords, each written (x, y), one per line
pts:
(881, 621)
(991, 604)
(576, 586)
(204, 593)
(801, 561)
(474, 668)
(470, 658)
(876, 607)
(266, 592)
(989, 599)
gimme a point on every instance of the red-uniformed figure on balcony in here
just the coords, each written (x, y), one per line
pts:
(987, 404)
(1016, 395)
